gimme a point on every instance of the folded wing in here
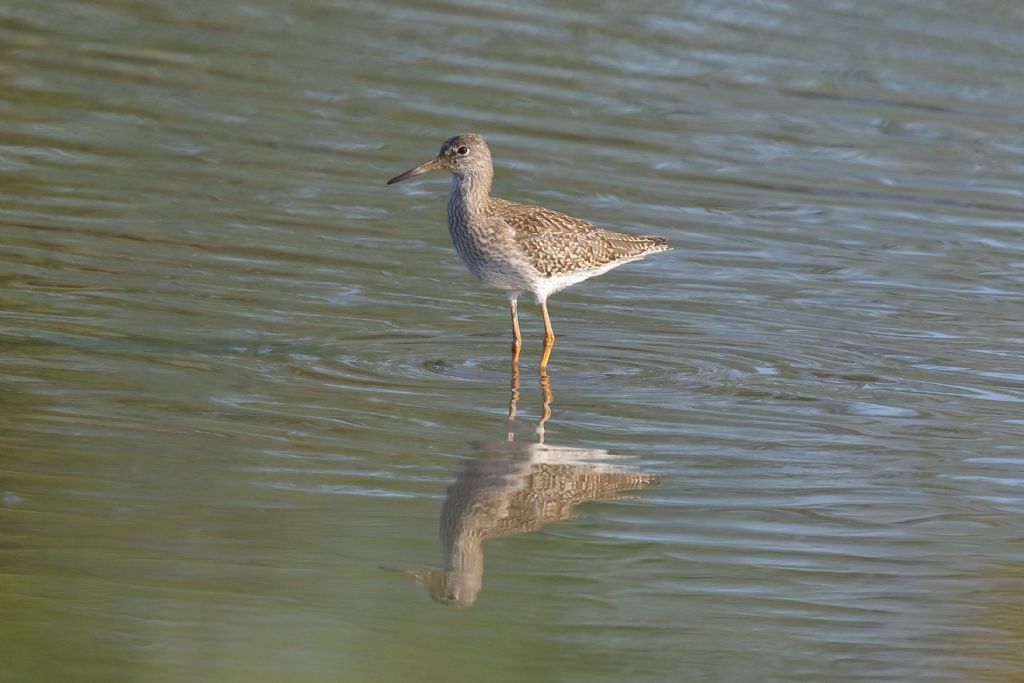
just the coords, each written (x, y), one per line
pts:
(556, 243)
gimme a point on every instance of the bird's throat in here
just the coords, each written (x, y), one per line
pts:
(469, 195)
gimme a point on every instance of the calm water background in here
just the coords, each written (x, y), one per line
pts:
(239, 373)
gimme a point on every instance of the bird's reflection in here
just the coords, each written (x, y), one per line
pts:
(515, 487)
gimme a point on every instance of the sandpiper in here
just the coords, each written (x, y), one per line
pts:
(519, 247)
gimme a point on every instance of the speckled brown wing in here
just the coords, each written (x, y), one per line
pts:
(494, 498)
(557, 243)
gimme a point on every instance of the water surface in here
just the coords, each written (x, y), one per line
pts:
(241, 375)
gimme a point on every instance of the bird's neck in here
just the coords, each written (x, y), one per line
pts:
(469, 195)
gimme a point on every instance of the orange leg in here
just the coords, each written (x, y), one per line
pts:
(549, 337)
(517, 338)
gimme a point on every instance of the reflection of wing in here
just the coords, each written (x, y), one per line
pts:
(514, 492)
(520, 492)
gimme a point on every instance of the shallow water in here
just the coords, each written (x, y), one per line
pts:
(241, 374)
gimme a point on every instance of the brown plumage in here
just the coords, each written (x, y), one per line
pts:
(516, 490)
(559, 244)
(520, 247)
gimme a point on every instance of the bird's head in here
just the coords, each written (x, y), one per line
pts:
(463, 155)
(451, 588)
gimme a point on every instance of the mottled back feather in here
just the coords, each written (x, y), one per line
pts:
(557, 243)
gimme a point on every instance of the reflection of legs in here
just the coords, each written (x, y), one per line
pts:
(549, 336)
(517, 345)
(546, 398)
(513, 394)
(517, 338)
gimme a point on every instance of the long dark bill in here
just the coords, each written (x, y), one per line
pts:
(434, 164)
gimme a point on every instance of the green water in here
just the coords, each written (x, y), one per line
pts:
(241, 376)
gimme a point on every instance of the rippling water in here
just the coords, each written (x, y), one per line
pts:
(241, 376)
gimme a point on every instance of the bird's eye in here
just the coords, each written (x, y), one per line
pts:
(462, 151)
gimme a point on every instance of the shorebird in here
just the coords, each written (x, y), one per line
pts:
(516, 487)
(520, 247)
